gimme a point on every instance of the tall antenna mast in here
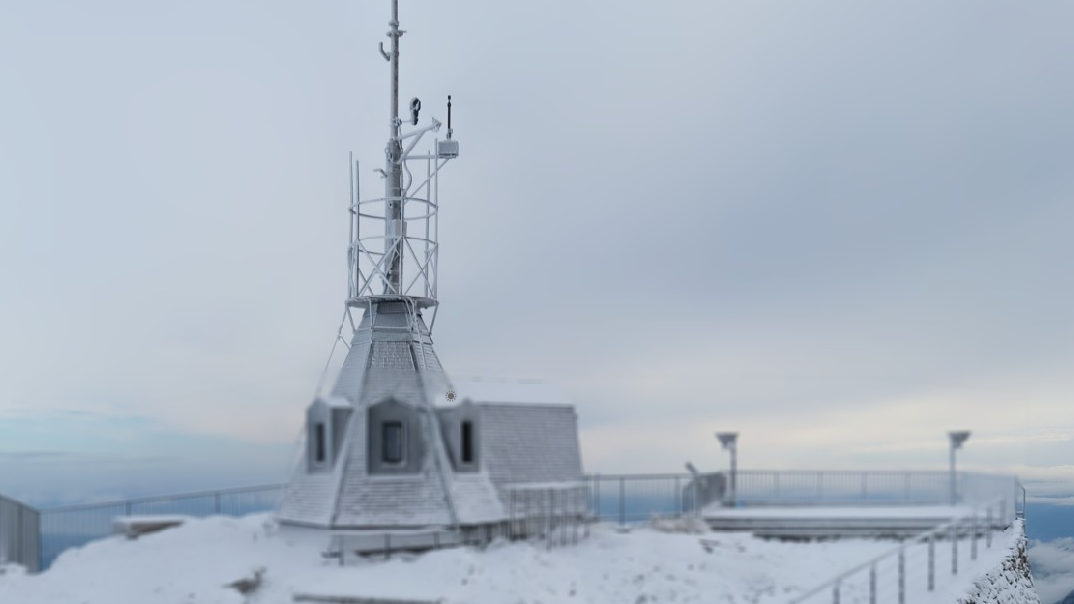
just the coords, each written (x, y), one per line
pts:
(394, 226)
(398, 259)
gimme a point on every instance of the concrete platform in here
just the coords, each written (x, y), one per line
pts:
(821, 522)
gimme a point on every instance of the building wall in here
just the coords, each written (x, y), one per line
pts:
(20, 534)
(530, 443)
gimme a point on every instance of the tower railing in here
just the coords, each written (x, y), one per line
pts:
(618, 498)
(917, 566)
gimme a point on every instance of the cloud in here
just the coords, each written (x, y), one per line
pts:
(1052, 565)
(789, 222)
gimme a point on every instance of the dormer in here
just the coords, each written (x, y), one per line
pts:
(326, 428)
(394, 439)
(461, 428)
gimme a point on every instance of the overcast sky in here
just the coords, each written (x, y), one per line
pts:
(840, 227)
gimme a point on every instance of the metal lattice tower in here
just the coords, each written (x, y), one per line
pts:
(393, 239)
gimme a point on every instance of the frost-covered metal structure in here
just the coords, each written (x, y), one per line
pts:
(396, 443)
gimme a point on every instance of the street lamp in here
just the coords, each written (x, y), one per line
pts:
(957, 438)
(695, 488)
(729, 441)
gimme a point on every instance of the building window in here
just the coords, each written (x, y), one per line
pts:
(318, 443)
(391, 439)
(467, 444)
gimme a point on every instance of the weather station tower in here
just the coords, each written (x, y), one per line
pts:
(392, 445)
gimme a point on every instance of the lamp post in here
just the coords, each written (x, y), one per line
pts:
(729, 441)
(957, 438)
(695, 490)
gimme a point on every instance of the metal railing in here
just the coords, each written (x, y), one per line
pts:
(917, 565)
(70, 526)
(556, 516)
(627, 498)
(20, 534)
(619, 498)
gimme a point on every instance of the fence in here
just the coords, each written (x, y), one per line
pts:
(620, 498)
(627, 498)
(917, 566)
(20, 535)
(558, 515)
(74, 526)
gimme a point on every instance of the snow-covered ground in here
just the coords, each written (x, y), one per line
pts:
(194, 563)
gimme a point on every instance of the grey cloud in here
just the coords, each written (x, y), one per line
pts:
(698, 212)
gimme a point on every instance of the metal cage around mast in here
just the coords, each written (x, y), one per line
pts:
(416, 244)
(402, 261)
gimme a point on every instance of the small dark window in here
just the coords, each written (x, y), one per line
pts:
(391, 442)
(318, 443)
(467, 442)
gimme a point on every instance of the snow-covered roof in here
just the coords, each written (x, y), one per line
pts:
(485, 390)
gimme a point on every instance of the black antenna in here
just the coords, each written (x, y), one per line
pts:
(449, 116)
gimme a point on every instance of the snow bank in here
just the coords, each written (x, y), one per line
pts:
(202, 561)
(1008, 583)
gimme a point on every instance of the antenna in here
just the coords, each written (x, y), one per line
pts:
(398, 258)
(394, 225)
(449, 130)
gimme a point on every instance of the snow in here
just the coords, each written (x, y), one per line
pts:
(488, 390)
(194, 564)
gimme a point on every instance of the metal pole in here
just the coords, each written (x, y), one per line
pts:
(954, 485)
(954, 548)
(734, 474)
(932, 562)
(394, 225)
(902, 576)
(597, 488)
(835, 593)
(872, 583)
(622, 502)
(988, 521)
(973, 538)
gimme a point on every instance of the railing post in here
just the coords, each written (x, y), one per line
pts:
(902, 576)
(932, 562)
(622, 501)
(954, 548)
(127, 508)
(835, 593)
(679, 505)
(776, 481)
(548, 520)
(864, 486)
(1003, 512)
(820, 486)
(973, 538)
(872, 583)
(988, 521)
(597, 487)
(216, 503)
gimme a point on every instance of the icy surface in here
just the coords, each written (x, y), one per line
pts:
(196, 562)
(506, 391)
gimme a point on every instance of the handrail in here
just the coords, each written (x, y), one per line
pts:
(155, 498)
(953, 523)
